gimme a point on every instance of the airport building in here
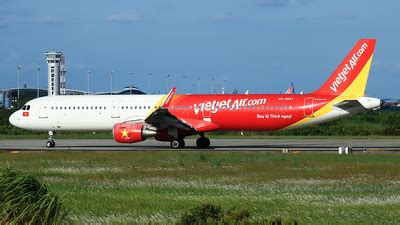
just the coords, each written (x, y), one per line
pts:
(9, 96)
(56, 81)
(56, 73)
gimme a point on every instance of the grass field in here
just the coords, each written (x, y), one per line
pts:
(157, 187)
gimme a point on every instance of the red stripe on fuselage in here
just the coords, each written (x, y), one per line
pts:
(248, 112)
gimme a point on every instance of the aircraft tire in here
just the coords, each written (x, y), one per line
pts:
(177, 143)
(50, 144)
(203, 142)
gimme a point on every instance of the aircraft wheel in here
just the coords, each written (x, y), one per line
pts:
(203, 142)
(50, 144)
(177, 143)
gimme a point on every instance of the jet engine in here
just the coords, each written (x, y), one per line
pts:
(132, 132)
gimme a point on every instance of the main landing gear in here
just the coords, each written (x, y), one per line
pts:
(203, 142)
(50, 143)
(177, 143)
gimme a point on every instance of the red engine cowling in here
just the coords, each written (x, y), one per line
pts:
(132, 132)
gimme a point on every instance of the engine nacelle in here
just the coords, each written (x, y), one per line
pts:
(132, 132)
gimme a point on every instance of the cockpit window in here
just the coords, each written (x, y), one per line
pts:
(26, 107)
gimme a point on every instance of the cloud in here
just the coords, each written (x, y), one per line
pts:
(224, 17)
(280, 3)
(124, 18)
(346, 16)
(272, 3)
(11, 20)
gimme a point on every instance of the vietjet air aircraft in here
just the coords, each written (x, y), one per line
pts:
(172, 117)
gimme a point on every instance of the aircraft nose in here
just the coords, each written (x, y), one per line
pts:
(14, 120)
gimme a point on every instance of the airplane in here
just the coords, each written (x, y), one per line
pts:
(172, 117)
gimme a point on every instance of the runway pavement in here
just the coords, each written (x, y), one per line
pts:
(329, 145)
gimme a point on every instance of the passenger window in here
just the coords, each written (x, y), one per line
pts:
(25, 108)
(100, 107)
(140, 107)
(135, 107)
(122, 107)
(91, 107)
(69, 107)
(78, 107)
(95, 107)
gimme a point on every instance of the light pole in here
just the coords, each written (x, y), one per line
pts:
(111, 82)
(223, 86)
(149, 82)
(198, 85)
(18, 71)
(88, 82)
(130, 89)
(37, 81)
(183, 78)
(212, 85)
(168, 76)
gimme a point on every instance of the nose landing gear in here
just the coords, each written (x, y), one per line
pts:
(50, 143)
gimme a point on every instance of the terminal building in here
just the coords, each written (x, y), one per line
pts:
(56, 81)
(9, 96)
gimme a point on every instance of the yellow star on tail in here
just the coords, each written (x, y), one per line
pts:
(124, 133)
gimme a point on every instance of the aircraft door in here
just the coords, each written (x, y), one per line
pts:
(43, 108)
(115, 108)
(308, 106)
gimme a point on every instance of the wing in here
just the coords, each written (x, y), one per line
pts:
(160, 117)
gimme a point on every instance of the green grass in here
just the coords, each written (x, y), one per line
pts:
(158, 187)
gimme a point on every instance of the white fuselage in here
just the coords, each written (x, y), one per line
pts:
(83, 113)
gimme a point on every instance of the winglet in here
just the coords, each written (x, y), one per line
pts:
(169, 98)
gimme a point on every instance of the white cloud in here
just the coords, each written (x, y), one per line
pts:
(224, 17)
(124, 18)
(280, 3)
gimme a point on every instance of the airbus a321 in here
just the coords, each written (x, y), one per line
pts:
(172, 117)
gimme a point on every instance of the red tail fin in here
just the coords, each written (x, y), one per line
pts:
(352, 74)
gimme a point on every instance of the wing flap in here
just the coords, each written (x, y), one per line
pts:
(201, 125)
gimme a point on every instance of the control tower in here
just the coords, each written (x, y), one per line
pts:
(56, 73)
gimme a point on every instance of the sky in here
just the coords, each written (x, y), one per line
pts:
(256, 45)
